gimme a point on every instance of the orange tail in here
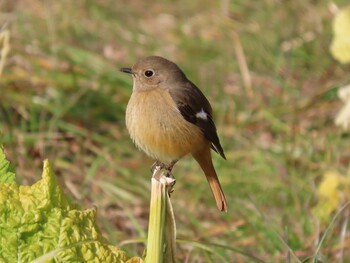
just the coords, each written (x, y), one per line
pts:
(204, 159)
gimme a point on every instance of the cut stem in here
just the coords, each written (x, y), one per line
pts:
(161, 228)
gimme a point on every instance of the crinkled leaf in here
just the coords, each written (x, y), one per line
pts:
(7, 174)
(340, 47)
(39, 224)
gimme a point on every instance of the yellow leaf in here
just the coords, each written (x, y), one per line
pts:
(331, 194)
(340, 47)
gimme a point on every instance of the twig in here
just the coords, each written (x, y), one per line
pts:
(242, 63)
(4, 45)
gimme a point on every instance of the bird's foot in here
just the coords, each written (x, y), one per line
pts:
(155, 165)
(168, 167)
(167, 173)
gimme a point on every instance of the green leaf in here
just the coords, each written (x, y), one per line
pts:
(39, 224)
(7, 174)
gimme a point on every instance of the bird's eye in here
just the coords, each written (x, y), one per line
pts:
(149, 73)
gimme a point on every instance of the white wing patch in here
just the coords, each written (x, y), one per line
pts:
(202, 115)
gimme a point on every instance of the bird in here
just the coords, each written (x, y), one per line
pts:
(168, 117)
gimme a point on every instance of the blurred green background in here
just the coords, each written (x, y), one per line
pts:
(62, 97)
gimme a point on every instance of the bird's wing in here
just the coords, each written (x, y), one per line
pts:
(195, 108)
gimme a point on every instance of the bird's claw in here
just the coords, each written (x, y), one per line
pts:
(168, 167)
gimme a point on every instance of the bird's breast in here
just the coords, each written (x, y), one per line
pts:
(158, 128)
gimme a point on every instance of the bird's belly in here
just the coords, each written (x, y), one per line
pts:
(158, 128)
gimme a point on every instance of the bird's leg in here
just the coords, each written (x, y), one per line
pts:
(170, 166)
(155, 164)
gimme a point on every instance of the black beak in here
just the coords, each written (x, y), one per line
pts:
(127, 70)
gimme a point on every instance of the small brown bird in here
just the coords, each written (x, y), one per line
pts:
(168, 117)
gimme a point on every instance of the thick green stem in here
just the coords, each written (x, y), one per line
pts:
(161, 228)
